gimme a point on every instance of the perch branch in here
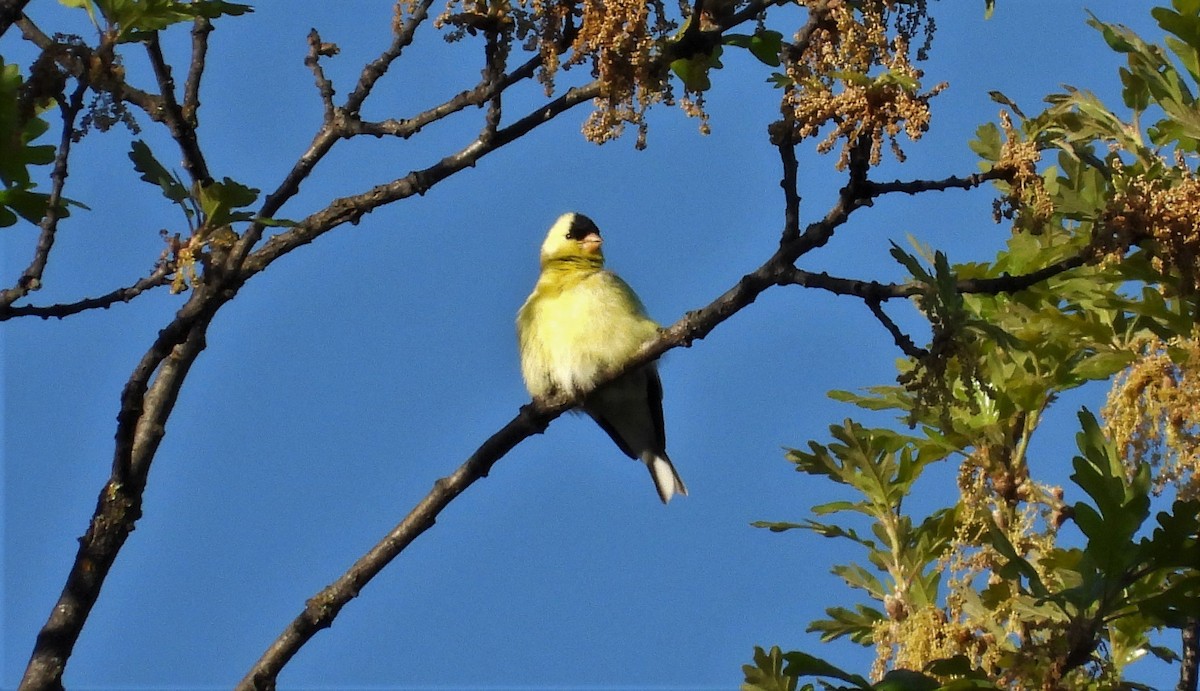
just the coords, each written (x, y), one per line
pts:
(320, 610)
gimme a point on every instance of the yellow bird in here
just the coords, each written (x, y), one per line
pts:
(582, 321)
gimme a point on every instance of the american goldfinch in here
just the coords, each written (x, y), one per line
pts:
(582, 322)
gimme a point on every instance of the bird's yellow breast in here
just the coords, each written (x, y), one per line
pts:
(576, 327)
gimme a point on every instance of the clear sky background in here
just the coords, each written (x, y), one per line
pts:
(354, 372)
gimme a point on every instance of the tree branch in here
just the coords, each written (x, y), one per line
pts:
(1190, 664)
(160, 277)
(147, 401)
(332, 128)
(402, 37)
(902, 339)
(31, 279)
(320, 610)
(201, 28)
(882, 292)
(479, 95)
(351, 209)
(77, 68)
(316, 49)
(10, 12)
(181, 127)
(912, 187)
(789, 183)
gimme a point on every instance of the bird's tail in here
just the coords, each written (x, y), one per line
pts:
(666, 478)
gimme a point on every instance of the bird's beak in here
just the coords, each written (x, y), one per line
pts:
(591, 243)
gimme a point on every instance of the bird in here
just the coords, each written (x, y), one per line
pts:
(582, 322)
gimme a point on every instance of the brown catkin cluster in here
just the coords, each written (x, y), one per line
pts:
(858, 78)
(1153, 413)
(1162, 214)
(618, 40)
(1027, 202)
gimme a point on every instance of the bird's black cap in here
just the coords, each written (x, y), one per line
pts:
(581, 227)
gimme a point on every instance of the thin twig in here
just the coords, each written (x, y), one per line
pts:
(332, 128)
(181, 127)
(201, 28)
(325, 87)
(911, 187)
(789, 183)
(902, 339)
(477, 96)
(352, 209)
(160, 277)
(850, 197)
(402, 37)
(77, 66)
(882, 292)
(31, 279)
(495, 51)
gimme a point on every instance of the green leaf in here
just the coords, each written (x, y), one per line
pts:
(1121, 505)
(136, 18)
(804, 665)
(857, 625)
(1003, 100)
(989, 7)
(275, 222)
(906, 680)
(856, 576)
(957, 666)
(18, 131)
(693, 71)
(780, 80)
(156, 173)
(1016, 565)
(1103, 365)
(766, 674)
(89, 5)
(30, 206)
(777, 526)
(764, 45)
(220, 200)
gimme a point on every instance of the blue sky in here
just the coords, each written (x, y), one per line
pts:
(354, 372)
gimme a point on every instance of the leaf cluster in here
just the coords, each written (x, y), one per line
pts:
(21, 125)
(1028, 584)
(134, 20)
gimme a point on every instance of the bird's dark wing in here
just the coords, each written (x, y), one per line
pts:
(612, 433)
(654, 401)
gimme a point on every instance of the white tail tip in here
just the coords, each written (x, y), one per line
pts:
(666, 479)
